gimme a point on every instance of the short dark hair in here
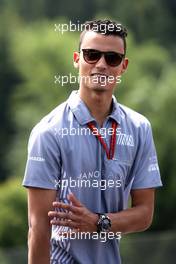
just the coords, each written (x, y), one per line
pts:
(103, 27)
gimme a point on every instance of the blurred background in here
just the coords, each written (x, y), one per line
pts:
(33, 52)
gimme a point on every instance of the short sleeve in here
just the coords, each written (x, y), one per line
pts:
(146, 172)
(43, 162)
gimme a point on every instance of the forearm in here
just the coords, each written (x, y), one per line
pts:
(38, 246)
(134, 219)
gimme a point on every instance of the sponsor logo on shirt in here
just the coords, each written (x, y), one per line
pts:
(153, 167)
(125, 139)
(153, 164)
(37, 158)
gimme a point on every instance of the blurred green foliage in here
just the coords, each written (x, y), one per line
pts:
(32, 54)
(13, 220)
(148, 247)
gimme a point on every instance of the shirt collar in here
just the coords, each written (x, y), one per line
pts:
(82, 113)
(115, 114)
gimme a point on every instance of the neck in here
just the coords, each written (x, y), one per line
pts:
(99, 104)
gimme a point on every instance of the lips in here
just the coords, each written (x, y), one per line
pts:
(99, 75)
(99, 78)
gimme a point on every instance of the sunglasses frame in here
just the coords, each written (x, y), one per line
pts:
(105, 54)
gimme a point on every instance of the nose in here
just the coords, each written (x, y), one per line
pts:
(101, 63)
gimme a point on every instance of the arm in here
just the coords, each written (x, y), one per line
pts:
(139, 216)
(136, 218)
(39, 203)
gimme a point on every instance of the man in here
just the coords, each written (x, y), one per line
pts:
(86, 157)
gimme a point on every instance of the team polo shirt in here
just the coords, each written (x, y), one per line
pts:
(66, 156)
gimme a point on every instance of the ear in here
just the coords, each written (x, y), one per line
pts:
(124, 65)
(76, 59)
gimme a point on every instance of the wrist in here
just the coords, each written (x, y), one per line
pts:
(95, 218)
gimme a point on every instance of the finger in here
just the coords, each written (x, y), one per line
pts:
(66, 222)
(62, 215)
(67, 207)
(59, 204)
(72, 198)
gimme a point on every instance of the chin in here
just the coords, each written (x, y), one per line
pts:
(100, 88)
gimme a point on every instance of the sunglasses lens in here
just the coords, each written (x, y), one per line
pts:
(91, 56)
(113, 59)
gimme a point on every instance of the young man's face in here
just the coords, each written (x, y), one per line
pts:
(99, 76)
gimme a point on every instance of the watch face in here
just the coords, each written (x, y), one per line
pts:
(105, 223)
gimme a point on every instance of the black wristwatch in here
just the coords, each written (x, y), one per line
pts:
(104, 223)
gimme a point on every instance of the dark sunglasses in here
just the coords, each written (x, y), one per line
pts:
(112, 58)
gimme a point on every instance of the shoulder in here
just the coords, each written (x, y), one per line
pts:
(46, 128)
(137, 124)
(133, 118)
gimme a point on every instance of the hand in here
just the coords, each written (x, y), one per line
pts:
(76, 216)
